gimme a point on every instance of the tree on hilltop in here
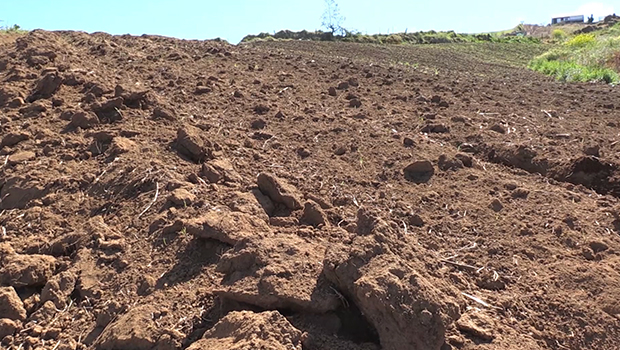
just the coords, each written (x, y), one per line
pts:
(332, 19)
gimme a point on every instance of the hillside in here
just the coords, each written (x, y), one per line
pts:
(165, 194)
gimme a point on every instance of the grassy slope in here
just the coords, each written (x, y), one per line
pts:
(583, 58)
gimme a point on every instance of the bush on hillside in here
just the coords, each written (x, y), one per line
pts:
(581, 40)
(394, 39)
(558, 35)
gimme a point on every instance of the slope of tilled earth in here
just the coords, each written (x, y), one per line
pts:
(166, 194)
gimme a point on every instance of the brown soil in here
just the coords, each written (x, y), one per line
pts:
(166, 194)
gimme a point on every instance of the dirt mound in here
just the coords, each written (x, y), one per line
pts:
(168, 194)
(247, 330)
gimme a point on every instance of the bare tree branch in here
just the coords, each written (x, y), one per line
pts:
(332, 19)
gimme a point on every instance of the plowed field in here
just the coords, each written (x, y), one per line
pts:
(165, 194)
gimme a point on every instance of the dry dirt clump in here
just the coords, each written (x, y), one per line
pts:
(249, 330)
(167, 194)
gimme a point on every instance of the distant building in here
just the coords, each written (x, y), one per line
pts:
(568, 19)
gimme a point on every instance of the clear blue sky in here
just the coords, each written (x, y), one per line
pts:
(231, 20)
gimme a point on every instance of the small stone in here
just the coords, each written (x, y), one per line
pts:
(353, 82)
(98, 89)
(201, 90)
(435, 128)
(57, 102)
(490, 281)
(7, 340)
(67, 114)
(89, 98)
(303, 153)
(499, 128)
(13, 138)
(189, 143)
(598, 247)
(477, 324)
(181, 197)
(11, 306)
(419, 171)
(592, 150)
(238, 94)
(31, 342)
(122, 145)
(467, 160)
(83, 120)
(355, 103)
(588, 253)
(444, 163)
(134, 330)
(496, 205)
(36, 330)
(261, 109)
(416, 220)
(319, 200)
(332, 91)
(32, 303)
(46, 87)
(258, 124)
(51, 333)
(34, 108)
(467, 148)
(340, 151)
(408, 142)
(313, 214)
(220, 170)
(520, 193)
(279, 191)
(226, 227)
(351, 96)
(212, 174)
(343, 85)
(21, 157)
(147, 285)
(436, 99)
(17, 102)
(163, 113)
(7, 327)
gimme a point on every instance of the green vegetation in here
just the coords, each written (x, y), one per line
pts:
(430, 37)
(558, 35)
(571, 71)
(592, 57)
(581, 40)
(12, 29)
(394, 39)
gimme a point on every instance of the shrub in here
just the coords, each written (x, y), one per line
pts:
(394, 39)
(581, 40)
(12, 29)
(558, 35)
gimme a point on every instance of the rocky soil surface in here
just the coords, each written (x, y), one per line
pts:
(160, 194)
